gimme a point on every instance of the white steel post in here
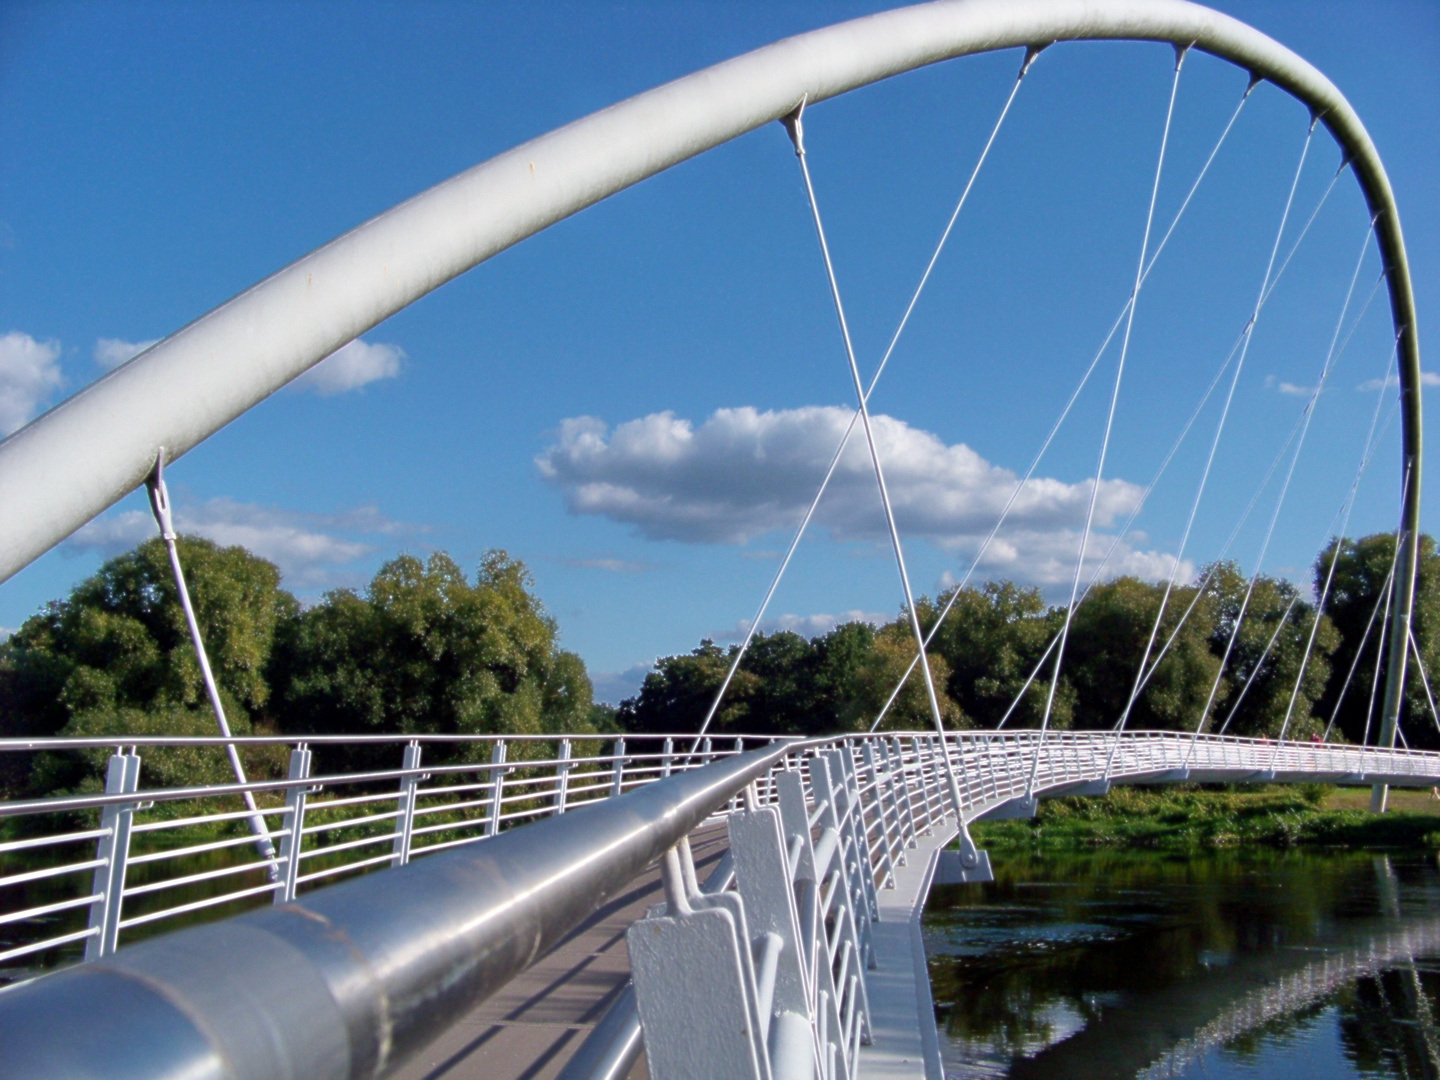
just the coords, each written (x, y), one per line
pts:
(292, 842)
(617, 781)
(406, 805)
(562, 774)
(122, 776)
(497, 786)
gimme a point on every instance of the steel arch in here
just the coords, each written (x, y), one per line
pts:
(91, 450)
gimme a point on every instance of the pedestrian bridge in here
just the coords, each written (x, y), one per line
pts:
(799, 955)
(418, 916)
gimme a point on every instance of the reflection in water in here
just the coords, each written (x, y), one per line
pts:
(1110, 965)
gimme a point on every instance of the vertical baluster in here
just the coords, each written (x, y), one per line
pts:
(668, 758)
(291, 843)
(405, 823)
(562, 774)
(617, 778)
(497, 786)
(122, 777)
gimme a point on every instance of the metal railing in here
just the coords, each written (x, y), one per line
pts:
(844, 812)
(83, 873)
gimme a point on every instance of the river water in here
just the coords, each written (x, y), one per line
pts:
(1260, 964)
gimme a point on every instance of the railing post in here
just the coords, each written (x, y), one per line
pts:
(497, 786)
(882, 812)
(405, 823)
(291, 843)
(122, 776)
(617, 780)
(900, 791)
(667, 762)
(562, 776)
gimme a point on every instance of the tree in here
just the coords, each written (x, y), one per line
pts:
(426, 652)
(1107, 640)
(1264, 663)
(115, 658)
(991, 641)
(1356, 592)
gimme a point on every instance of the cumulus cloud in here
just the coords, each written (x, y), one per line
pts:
(805, 625)
(1273, 383)
(351, 367)
(609, 563)
(29, 374)
(112, 352)
(1427, 378)
(308, 548)
(743, 473)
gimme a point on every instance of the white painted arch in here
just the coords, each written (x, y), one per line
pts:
(91, 450)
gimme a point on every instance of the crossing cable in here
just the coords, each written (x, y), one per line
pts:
(1065, 412)
(1360, 649)
(160, 507)
(1334, 561)
(1380, 644)
(1200, 589)
(1346, 506)
(1308, 413)
(1424, 679)
(1140, 673)
(797, 136)
(1180, 52)
(1030, 55)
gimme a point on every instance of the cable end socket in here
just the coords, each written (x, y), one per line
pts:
(794, 128)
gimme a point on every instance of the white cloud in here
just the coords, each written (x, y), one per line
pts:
(613, 687)
(307, 547)
(1427, 378)
(351, 367)
(807, 626)
(743, 473)
(112, 352)
(610, 564)
(29, 374)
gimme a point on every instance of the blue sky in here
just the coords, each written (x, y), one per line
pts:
(639, 401)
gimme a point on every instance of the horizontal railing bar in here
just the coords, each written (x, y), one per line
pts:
(52, 841)
(48, 943)
(51, 871)
(196, 849)
(198, 905)
(49, 909)
(190, 879)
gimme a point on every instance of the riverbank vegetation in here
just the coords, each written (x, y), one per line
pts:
(427, 648)
(1191, 817)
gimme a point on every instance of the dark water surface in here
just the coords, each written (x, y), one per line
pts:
(1227, 964)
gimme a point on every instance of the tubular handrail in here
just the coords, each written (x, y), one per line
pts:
(341, 987)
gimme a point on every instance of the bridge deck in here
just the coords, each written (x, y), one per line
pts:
(529, 1030)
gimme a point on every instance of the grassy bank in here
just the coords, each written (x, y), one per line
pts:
(1192, 817)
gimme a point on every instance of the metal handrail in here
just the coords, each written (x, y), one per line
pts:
(340, 986)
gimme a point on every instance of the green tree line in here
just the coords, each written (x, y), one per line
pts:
(426, 649)
(996, 634)
(422, 650)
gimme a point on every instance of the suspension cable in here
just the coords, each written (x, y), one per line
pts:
(1424, 679)
(1347, 504)
(1360, 649)
(1109, 422)
(1065, 412)
(751, 630)
(793, 125)
(1334, 561)
(160, 507)
(1308, 413)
